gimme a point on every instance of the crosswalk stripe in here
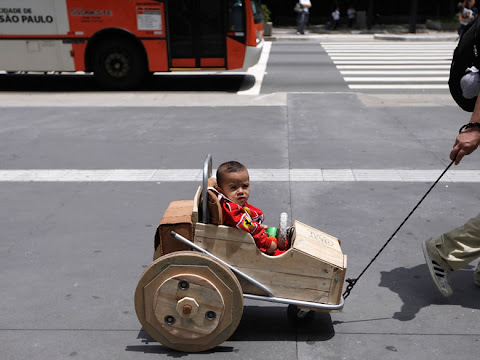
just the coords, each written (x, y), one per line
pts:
(257, 175)
(387, 44)
(393, 72)
(397, 79)
(390, 57)
(394, 67)
(398, 86)
(391, 65)
(392, 62)
(386, 51)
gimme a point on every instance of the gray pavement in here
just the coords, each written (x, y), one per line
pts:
(72, 253)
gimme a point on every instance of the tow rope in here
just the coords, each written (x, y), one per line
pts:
(352, 282)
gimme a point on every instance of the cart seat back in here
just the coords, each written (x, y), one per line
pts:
(180, 217)
(214, 207)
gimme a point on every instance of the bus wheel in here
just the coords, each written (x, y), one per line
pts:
(119, 65)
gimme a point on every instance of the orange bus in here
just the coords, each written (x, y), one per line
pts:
(121, 41)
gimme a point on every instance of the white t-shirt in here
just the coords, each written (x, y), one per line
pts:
(351, 13)
(467, 14)
(305, 2)
(336, 15)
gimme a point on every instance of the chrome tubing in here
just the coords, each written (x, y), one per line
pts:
(236, 271)
(207, 172)
(298, 302)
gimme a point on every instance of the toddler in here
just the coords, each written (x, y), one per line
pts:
(233, 186)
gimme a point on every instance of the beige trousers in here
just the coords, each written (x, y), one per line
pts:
(458, 247)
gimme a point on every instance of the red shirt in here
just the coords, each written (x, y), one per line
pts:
(247, 218)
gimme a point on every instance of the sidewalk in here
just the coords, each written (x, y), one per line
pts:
(380, 32)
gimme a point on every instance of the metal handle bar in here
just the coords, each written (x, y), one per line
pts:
(207, 172)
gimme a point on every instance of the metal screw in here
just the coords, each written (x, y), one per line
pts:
(183, 285)
(210, 315)
(169, 319)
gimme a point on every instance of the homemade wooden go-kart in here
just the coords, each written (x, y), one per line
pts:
(193, 300)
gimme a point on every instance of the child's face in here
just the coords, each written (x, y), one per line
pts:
(236, 186)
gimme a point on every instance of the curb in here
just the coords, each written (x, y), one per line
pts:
(284, 34)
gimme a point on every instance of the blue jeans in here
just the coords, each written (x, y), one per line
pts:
(302, 20)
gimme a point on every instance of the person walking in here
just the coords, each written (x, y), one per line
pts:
(460, 246)
(336, 17)
(466, 13)
(302, 18)
(351, 14)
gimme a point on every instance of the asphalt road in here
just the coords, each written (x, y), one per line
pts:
(72, 251)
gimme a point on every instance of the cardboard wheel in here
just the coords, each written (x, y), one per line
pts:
(188, 301)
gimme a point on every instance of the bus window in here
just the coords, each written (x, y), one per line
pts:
(197, 33)
(181, 31)
(237, 23)
(257, 11)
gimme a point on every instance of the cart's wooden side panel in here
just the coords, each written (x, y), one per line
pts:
(318, 244)
(293, 275)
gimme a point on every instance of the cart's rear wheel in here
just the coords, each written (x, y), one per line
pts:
(297, 315)
(188, 301)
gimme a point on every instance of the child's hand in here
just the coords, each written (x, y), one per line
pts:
(273, 245)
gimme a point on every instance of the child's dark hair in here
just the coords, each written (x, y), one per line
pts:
(228, 167)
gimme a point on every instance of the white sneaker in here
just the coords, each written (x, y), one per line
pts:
(439, 274)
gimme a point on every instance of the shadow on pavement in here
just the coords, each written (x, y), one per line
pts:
(265, 323)
(416, 289)
(230, 83)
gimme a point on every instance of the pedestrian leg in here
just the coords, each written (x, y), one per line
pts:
(457, 248)
(301, 23)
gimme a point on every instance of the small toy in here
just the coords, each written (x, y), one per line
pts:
(272, 231)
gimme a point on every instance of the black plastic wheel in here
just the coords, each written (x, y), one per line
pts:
(119, 64)
(296, 315)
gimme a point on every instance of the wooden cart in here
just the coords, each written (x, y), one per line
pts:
(193, 300)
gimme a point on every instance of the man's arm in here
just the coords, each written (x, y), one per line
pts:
(468, 140)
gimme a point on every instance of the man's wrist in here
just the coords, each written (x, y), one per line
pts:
(470, 125)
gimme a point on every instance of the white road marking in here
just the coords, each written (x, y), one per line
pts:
(443, 79)
(393, 67)
(387, 51)
(258, 71)
(382, 66)
(258, 175)
(392, 62)
(393, 72)
(391, 57)
(398, 86)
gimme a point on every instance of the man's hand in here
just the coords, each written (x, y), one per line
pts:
(465, 144)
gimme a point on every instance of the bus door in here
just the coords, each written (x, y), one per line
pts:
(196, 33)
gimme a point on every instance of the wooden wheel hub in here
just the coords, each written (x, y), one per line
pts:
(188, 301)
(187, 305)
(191, 313)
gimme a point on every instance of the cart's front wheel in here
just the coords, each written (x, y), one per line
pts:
(188, 301)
